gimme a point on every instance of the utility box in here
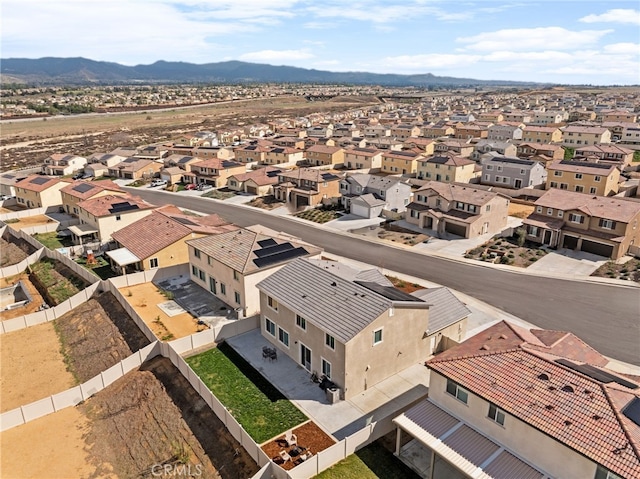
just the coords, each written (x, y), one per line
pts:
(333, 395)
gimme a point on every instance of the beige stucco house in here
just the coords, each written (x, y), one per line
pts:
(601, 179)
(214, 172)
(323, 155)
(62, 165)
(400, 162)
(368, 159)
(447, 168)
(541, 134)
(576, 136)
(78, 191)
(308, 187)
(37, 191)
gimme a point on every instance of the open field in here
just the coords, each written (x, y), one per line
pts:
(32, 366)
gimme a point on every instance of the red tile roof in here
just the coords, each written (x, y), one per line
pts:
(37, 183)
(102, 205)
(86, 189)
(516, 369)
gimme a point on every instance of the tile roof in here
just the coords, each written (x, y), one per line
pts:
(324, 149)
(465, 194)
(86, 189)
(581, 410)
(103, 205)
(261, 176)
(445, 308)
(585, 167)
(617, 209)
(37, 183)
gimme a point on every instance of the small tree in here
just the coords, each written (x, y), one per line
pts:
(568, 153)
(521, 236)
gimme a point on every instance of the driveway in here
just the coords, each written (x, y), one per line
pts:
(352, 222)
(567, 261)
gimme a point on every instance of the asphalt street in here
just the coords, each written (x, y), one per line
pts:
(606, 316)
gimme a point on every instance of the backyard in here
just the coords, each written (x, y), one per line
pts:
(52, 240)
(254, 402)
(54, 281)
(507, 251)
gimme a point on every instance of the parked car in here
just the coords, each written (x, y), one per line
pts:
(204, 186)
(155, 183)
(190, 186)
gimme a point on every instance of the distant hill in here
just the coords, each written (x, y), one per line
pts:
(53, 71)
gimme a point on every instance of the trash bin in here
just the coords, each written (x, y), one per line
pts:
(333, 395)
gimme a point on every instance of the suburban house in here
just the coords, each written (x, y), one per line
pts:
(258, 182)
(289, 141)
(505, 132)
(101, 216)
(518, 116)
(425, 145)
(455, 147)
(78, 191)
(601, 179)
(631, 134)
(349, 325)
(404, 132)
(283, 156)
(512, 402)
(376, 131)
(98, 164)
(254, 153)
(367, 195)
(545, 117)
(487, 146)
(438, 130)
(616, 115)
(159, 239)
(36, 191)
(541, 134)
(203, 152)
(308, 187)
(466, 131)
(579, 135)
(172, 175)
(606, 153)
(447, 168)
(385, 143)
(537, 150)
(135, 169)
(214, 172)
(63, 165)
(602, 225)
(184, 162)
(509, 172)
(458, 209)
(400, 162)
(230, 265)
(363, 159)
(323, 155)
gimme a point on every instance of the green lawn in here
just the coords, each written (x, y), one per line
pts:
(101, 268)
(52, 240)
(371, 462)
(255, 403)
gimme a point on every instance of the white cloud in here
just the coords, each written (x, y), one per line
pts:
(385, 12)
(266, 56)
(617, 15)
(532, 39)
(428, 62)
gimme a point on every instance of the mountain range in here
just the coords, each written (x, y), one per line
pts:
(52, 71)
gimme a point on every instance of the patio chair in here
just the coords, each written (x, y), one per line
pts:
(284, 455)
(290, 438)
(266, 353)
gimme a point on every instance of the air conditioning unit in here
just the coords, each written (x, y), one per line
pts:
(333, 394)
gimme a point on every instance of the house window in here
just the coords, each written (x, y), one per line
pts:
(118, 217)
(153, 263)
(573, 218)
(236, 276)
(457, 391)
(578, 176)
(472, 208)
(196, 253)
(533, 230)
(460, 205)
(236, 296)
(538, 209)
(564, 186)
(522, 172)
(329, 341)
(603, 473)
(269, 326)
(549, 211)
(489, 167)
(415, 214)
(560, 214)
(487, 177)
(593, 190)
(283, 337)
(377, 336)
(273, 304)
(194, 271)
(488, 208)
(607, 224)
(597, 178)
(499, 168)
(212, 285)
(201, 275)
(557, 173)
(438, 202)
(554, 184)
(326, 368)
(301, 322)
(496, 414)
(579, 189)
(223, 288)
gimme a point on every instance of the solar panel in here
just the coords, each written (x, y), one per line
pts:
(40, 180)
(389, 292)
(268, 251)
(83, 187)
(632, 411)
(184, 221)
(120, 207)
(267, 242)
(280, 257)
(328, 176)
(597, 373)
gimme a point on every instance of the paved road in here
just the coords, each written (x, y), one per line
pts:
(605, 316)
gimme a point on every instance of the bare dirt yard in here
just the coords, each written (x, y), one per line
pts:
(392, 233)
(153, 417)
(96, 335)
(13, 250)
(32, 366)
(311, 440)
(144, 298)
(52, 446)
(267, 202)
(30, 221)
(520, 211)
(32, 306)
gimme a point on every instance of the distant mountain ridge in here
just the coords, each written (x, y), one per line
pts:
(51, 70)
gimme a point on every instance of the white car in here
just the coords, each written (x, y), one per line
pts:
(155, 183)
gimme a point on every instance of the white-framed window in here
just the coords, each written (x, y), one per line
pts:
(326, 368)
(560, 213)
(574, 218)
(270, 326)
(553, 184)
(487, 177)
(301, 322)
(460, 205)
(522, 172)
(457, 391)
(578, 176)
(607, 224)
(593, 190)
(489, 167)
(557, 173)
(223, 288)
(329, 341)
(194, 270)
(283, 336)
(549, 211)
(533, 230)
(538, 209)
(579, 189)
(236, 275)
(153, 263)
(597, 178)
(212, 285)
(377, 336)
(499, 168)
(272, 303)
(196, 253)
(488, 208)
(496, 414)
(202, 275)
(564, 186)
(236, 296)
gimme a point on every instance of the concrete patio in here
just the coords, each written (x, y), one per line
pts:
(345, 417)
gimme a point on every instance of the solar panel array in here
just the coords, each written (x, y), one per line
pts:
(184, 221)
(121, 207)
(280, 257)
(83, 187)
(40, 180)
(267, 242)
(632, 411)
(596, 373)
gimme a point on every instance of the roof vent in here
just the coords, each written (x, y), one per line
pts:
(567, 422)
(484, 347)
(334, 284)
(543, 376)
(596, 417)
(549, 407)
(567, 389)
(502, 336)
(551, 388)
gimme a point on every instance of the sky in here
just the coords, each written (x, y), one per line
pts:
(559, 41)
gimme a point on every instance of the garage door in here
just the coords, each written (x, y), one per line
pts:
(252, 190)
(360, 210)
(302, 201)
(455, 229)
(597, 248)
(570, 242)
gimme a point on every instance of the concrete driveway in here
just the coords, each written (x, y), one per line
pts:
(566, 261)
(352, 222)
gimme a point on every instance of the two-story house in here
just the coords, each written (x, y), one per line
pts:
(485, 146)
(512, 402)
(466, 131)
(283, 156)
(425, 145)
(601, 179)
(251, 153)
(458, 209)
(351, 326)
(437, 130)
(447, 168)
(575, 136)
(214, 172)
(60, 164)
(391, 194)
(308, 187)
(37, 191)
(78, 191)
(505, 132)
(230, 265)
(403, 132)
(541, 134)
(98, 164)
(258, 182)
(368, 159)
(610, 153)
(133, 168)
(400, 162)
(455, 147)
(323, 155)
(498, 170)
(605, 226)
(537, 150)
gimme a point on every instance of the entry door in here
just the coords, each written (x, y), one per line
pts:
(305, 357)
(547, 237)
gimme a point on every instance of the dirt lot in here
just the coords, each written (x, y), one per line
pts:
(394, 234)
(520, 211)
(36, 298)
(96, 335)
(268, 202)
(153, 416)
(51, 446)
(13, 250)
(32, 366)
(30, 142)
(30, 221)
(506, 251)
(309, 436)
(145, 299)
